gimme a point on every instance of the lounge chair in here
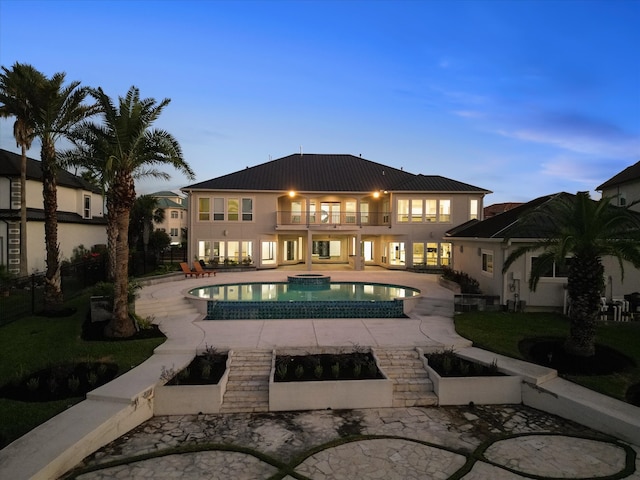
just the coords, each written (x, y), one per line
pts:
(187, 271)
(201, 271)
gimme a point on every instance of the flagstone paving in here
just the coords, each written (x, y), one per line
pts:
(497, 442)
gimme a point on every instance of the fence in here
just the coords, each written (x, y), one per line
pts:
(25, 295)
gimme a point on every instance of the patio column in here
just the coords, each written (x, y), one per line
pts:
(309, 249)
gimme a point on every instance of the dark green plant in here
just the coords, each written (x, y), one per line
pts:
(299, 372)
(73, 382)
(318, 370)
(92, 378)
(357, 370)
(33, 383)
(52, 384)
(335, 370)
(206, 371)
(467, 283)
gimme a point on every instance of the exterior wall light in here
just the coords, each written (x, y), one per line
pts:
(292, 193)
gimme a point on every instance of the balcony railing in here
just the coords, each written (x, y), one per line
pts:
(332, 219)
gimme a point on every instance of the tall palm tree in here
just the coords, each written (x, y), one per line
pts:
(126, 146)
(578, 231)
(14, 102)
(56, 109)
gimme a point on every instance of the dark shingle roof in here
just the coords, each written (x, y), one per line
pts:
(10, 167)
(36, 214)
(629, 174)
(501, 226)
(329, 173)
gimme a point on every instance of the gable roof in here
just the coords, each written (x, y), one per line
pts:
(629, 174)
(10, 167)
(329, 173)
(167, 203)
(498, 208)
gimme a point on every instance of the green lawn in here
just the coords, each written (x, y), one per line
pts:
(34, 343)
(501, 332)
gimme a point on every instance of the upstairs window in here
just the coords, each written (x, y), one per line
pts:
(86, 210)
(247, 209)
(204, 209)
(218, 209)
(232, 210)
(174, 214)
(416, 210)
(431, 211)
(403, 211)
(473, 209)
(445, 211)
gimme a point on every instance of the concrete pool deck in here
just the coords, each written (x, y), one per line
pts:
(118, 407)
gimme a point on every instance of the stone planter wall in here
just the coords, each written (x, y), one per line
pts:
(497, 390)
(190, 399)
(328, 394)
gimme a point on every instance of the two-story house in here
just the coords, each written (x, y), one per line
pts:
(319, 209)
(175, 215)
(624, 187)
(81, 218)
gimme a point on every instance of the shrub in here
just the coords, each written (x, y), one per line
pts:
(467, 284)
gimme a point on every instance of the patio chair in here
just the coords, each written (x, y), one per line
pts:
(187, 271)
(201, 271)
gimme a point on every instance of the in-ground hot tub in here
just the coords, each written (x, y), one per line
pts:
(303, 296)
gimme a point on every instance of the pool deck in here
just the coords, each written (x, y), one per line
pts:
(118, 407)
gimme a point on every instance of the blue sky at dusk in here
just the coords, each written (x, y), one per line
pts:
(524, 98)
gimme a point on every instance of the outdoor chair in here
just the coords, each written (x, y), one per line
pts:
(187, 271)
(201, 271)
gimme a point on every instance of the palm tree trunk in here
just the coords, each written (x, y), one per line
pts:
(112, 235)
(53, 298)
(585, 285)
(24, 269)
(121, 325)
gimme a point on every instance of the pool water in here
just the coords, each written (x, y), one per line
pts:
(291, 300)
(285, 292)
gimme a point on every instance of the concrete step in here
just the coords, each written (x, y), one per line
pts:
(411, 384)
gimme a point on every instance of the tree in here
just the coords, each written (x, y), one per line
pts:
(577, 231)
(125, 147)
(14, 102)
(54, 109)
(144, 214)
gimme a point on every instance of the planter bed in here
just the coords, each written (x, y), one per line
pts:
(191, 394)
(482, 389)
(336, 388)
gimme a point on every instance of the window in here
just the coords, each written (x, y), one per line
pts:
(473, 209)
(418, 253)
(351, 212)
(268, 253)
(232, 210)
(445, 211)
(364, 212)
(487, 262)
(218, 209)
(403, 211)
(233, 251)
(204, 209)
(87, 207)
(416, 210)
(553, 270)
(174, 232)
(432, 254)
(174, 214)
(204, 250)
(247, 209)
(445, 254)
(431, 210)
(247, 252)
(397, 253)
(296, 212)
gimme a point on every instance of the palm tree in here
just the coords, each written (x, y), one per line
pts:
(14, 102)
(56, 109)
(144, 214)
(578, 232)
(126, 147)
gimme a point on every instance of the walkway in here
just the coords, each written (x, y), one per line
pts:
(498, 442)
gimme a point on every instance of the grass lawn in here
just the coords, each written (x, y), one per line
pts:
(33, 343)
(501, 332)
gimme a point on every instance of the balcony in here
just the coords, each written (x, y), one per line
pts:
(334, 219)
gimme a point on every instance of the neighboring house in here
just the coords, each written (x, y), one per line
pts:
(480, 251)
(624, 187)
(80, 213)
(175, 215)
(498, 208)
(318, 209)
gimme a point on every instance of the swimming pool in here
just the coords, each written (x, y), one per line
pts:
(303, 297)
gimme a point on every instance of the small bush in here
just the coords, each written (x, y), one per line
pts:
(467, 284)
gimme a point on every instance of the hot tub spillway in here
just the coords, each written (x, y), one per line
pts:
(309, 280)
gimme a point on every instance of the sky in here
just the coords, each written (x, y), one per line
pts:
(522, 98)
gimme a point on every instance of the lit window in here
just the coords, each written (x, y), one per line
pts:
(204, 209)
(87, 207)
(232, 210)
(431, 210)
(416, 210)
(445, 210)
(487, 262)
(403, 211)
(473, 209)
